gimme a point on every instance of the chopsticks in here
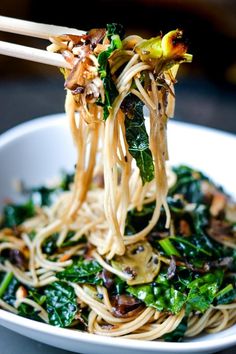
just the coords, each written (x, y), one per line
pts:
(32, 29)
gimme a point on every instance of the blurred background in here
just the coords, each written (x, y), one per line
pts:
(206, 89)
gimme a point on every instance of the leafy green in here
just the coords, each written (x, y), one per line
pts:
(203, 290)
(113, 33)
(43, 196)
(46, 196)
(28, 311)
(165, 295)
(115, 29)
(226, 295)
(16, 214)
(138, 219)
(82, 271)
(50, 244)
(120, 285)
(160, 294)
(61, 304)
(199, 243)
(189, 249)
(178, 334)
(66, 180)
(188, 183)
(9, 295)
(137, 137)
(37, 295)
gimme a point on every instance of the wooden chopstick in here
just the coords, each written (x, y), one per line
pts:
(33, 29)
(38, 30)
(33, 54)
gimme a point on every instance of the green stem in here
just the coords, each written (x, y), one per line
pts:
(224, 291)
(169, 248)
(5, 282)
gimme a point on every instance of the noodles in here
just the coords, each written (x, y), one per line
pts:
(130, 247)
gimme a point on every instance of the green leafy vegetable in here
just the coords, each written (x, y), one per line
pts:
(159, 296)
(82, 271)
(16, 214)
(139, 219)
(226, 295)
(178, 334)
(188, 184)
(115, 29)
(43, 196)
(46, 196)
(37, 295)
(9, 294)
(203, 290)
(164, 295)
(28, 311)
(120, 285)
(188, 247)
(50, 244)
(61, 304)
(137, 137)
(113, 34)
(66, 180)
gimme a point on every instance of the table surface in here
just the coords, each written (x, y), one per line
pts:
(198, 101)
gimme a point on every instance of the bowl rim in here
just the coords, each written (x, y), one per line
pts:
(118, 342)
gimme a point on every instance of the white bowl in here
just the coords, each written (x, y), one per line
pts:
(37, 150)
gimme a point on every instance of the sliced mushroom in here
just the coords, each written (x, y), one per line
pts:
(140, 261)
(125, 306)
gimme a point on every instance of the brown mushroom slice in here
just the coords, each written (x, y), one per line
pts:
(140, 261)
(230, 212)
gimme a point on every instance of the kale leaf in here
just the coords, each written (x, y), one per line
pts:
(82, 271)
(178, 334)
(115, 29)
(137, 137)
(49, 246)
(203, 290)
(113, 33)
(43, 196)
(46, 196)
(171, 295)
(160, 295)
(28, 311)
(226, 295)
(61, 304)
(16, 214)
(66, 180)
(9, 295)
(188, 183)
